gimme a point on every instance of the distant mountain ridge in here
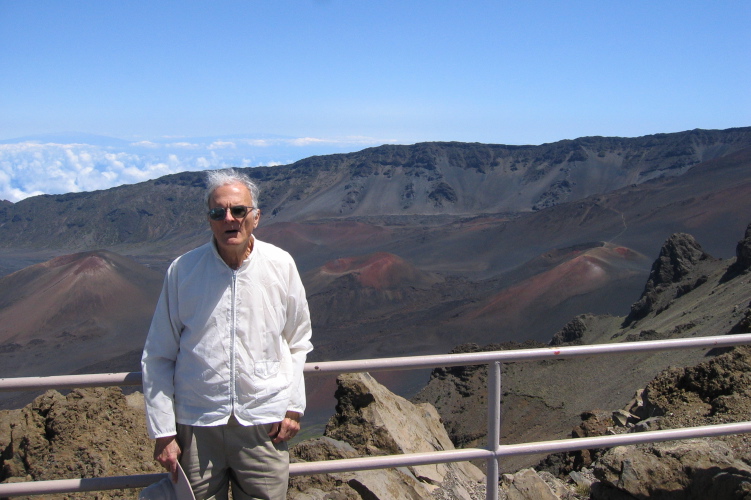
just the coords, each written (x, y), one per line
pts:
(464, 179)
(426, 179)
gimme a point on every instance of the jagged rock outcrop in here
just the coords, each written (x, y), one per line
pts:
(743, 251)
(690, 470)
(742, 255)
(716, 391)
(371, 421)
(672, 275)
(572, 333)
(88, 433)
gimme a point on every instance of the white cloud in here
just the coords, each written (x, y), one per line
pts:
(32, 168)
(222, 145)
(183, 145)
(260, 143)
(28, 169)
(355, 141)
(305, 141)
(348, 141)
(145, 144)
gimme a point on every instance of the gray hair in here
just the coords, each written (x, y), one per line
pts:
(218, 178)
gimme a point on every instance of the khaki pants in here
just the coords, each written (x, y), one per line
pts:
(212, 457)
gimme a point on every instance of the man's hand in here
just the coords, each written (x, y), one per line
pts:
(167, 452)
(287, 428)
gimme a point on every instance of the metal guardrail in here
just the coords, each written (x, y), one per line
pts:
(492, 453)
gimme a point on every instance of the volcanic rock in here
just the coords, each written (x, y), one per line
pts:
(690, 470)
(100, 432)
(379, 483)
(372, 420)
(719, 388)
(678, 259)
(88, 433)
(716, 391)
(437, 178)
(742, 254)
(593, 423)
(353, 289)
(541, 400)
(678, 256)
(570, 334)
(527, 484)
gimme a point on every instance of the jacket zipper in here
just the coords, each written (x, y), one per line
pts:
(233, 335)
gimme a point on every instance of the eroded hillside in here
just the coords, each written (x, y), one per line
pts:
(689, 294)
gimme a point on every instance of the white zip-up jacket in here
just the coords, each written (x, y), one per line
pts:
(226, 342)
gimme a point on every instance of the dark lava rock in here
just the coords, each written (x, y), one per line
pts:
(679, 256)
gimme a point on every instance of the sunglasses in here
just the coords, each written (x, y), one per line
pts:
(238, 212)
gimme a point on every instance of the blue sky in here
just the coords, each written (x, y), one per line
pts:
(354, 74)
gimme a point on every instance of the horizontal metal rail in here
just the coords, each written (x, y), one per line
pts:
(517, 355)
(408, 362)
(70, 381)
(57, 486)
(390, 461)
(539, 447)
(493, 452)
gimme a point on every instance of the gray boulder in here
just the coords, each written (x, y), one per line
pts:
(682, 470)
(369, 421)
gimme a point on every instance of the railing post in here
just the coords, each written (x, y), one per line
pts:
(494, 429)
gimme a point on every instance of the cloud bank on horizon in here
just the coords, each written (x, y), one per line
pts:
(57, 165)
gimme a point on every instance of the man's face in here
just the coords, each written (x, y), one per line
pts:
(233, 235)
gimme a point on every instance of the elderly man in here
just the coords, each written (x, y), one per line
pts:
(223, 360)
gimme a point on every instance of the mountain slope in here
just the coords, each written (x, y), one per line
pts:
(381, 305)
(355, 290)
(584, 273)
(63, 315)
(543, 400)
(461, 179)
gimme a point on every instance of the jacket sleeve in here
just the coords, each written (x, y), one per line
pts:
(158, 361)
(297, 333)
